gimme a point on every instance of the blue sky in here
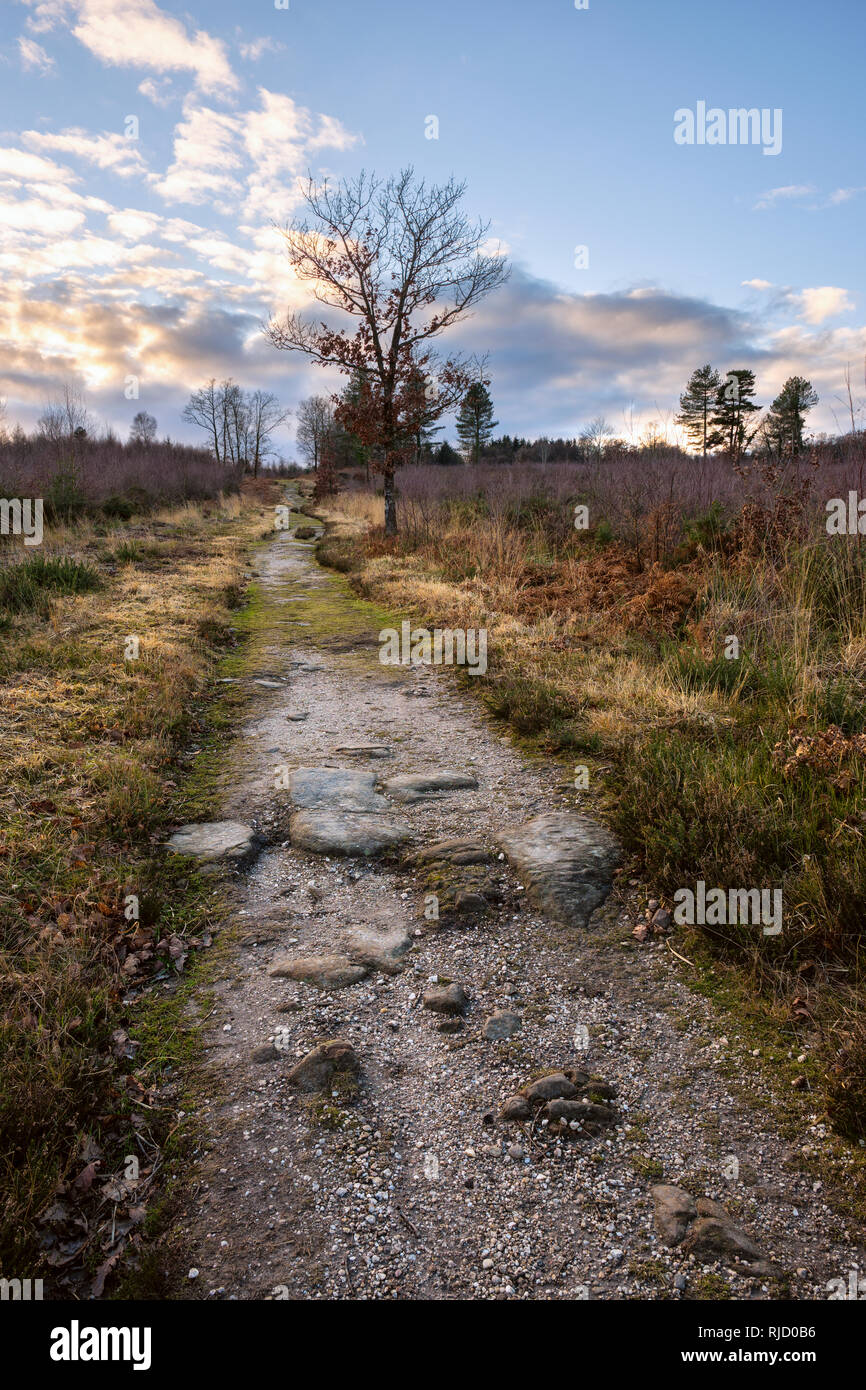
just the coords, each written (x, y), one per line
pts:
(154, 257)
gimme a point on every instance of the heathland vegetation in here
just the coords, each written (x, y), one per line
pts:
(687, 629)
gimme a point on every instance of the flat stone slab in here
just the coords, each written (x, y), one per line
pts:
(411, 786)
(336, 788)
(325, 972)
(566, 863)
(501, 1025)
(343, 832)
(215, 842)
(380, 950)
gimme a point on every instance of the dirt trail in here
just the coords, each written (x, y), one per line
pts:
(410, 1188)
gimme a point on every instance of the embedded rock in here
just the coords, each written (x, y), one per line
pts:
(501, 1025)
(674, 1209)
(566, 862)
(516, 1108)
(583, 1111)
(316, 1071)
(552, 1087)
(325, 972)
(342, 832)
(412, 786)
(228, 842)
(378, 950)
(335, 788)
(450, 999)
(712, 1238)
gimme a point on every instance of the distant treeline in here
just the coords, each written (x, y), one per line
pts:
(82, 474)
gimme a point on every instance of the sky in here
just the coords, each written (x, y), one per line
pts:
(150, 150)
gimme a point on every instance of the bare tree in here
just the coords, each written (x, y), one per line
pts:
(143, 429)
(402, 259)
(234, 419)
(65, 416)
(264, 415)
(315, 425)
(239, 423)
(204, 408)
(595, 435)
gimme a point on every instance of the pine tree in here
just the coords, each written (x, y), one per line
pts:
(444, 454)
(475, 422)
(422, 408)
(697, 404)
(788, 415)
(733, 405)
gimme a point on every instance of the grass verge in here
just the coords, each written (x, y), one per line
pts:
(111, 641)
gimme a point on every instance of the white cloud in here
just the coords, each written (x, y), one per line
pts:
(137, 33)
(786, 194)
(132, 224)
(46, 14)
(23, 214)
(18, 164)
(757, 284)
(333, 135)
(844, 195)
(111, 151)
(796, 192)
(255, 49)
(279, 138)
(33, 57)
(206, 150)
(159, 90)
(823, 302)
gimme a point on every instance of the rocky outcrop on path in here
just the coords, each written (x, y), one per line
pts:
(567, 863)
(316, 1071)
(227, 843)
(567, 1104)
(345, 832)
(704, 1229)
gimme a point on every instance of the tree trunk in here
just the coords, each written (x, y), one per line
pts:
(390, 503)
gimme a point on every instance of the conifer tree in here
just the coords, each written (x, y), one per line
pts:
(697, 404)
(733, 406)
(787, 415)
(475, 422)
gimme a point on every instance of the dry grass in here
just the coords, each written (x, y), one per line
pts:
(90, 743)
(598, 654)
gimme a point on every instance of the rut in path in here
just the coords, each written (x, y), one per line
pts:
(411, 1187)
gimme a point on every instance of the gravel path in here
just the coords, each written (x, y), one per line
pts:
(407, 1185)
